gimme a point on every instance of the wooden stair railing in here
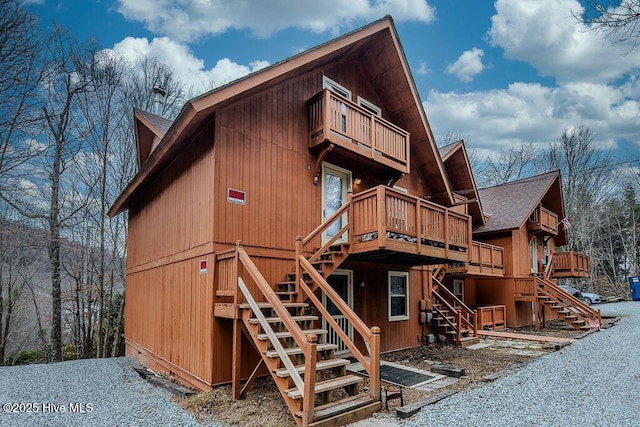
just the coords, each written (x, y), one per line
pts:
(302, 242)
(569, 308)
(448, 307)
(294, 353)
(370, 336)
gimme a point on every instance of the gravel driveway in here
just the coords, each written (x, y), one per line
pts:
(95, 392)
(593, 382)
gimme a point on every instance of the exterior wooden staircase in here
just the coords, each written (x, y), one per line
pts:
(313, 382)
(451, 317)
(574, 312)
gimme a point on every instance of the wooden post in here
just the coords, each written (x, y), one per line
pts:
(475, 323)
(236, 359)
(308, 396)
(419, 223)
(299, 248)
(350, 216)
(382, 217)
(374, 364)
(459, 328)
(446, 233)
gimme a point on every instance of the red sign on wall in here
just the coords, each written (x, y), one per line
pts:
(236, 196)
(203, 266)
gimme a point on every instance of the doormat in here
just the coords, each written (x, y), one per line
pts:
(401, 376)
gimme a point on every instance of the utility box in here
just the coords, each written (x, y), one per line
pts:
(634, 284)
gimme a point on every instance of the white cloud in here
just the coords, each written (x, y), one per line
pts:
(188, 20)
(468, 65)
(423, 70)
(188, 68)
(546, 34)
(530, 112)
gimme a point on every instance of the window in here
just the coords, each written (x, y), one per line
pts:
(458, 289)
(327, 83)
(398, 295)
(369, 106)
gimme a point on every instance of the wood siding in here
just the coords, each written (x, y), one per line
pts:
(174, 213)
(169, 313)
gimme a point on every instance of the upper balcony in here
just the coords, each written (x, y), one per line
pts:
(570, 264)
(336, 120)
(397, 228)
(485, 260)
(543, 220)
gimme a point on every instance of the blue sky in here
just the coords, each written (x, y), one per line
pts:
(497, 73)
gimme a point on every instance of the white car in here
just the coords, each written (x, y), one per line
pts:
(590, 298)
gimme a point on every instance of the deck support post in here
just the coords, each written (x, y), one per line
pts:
(309, 395)
(236, 359)
(374, 360)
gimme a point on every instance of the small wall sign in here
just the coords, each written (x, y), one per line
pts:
(203, 266)
(236, 196)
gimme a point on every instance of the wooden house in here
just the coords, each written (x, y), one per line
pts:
(288, 218)
(511, 275)
(304, 213)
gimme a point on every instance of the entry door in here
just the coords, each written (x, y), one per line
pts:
(533, 249)
(342, 282)
(336, 183)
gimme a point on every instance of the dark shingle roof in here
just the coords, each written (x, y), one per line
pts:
(509, 205)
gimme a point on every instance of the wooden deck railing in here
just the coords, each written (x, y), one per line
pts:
(570, 264)
(386, 218)
(346, 124)
(544, 220)
(525, 289)
(492, 317)
(484, 260)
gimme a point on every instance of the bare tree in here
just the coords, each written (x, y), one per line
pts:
(618, 20)
(516, 163)
(20, 74)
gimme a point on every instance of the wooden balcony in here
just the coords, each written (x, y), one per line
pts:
(485, 260)
(393, 227)
(336, 120)
(570, 264)
(543, 220)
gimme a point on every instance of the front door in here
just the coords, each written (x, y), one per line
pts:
(336, 182)
(533, 249)
(342, 282)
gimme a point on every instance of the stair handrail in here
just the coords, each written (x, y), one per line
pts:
(278, 307)
(469, 313)
(441, 313)
(275, 342)
(580, 308)
(371, 336)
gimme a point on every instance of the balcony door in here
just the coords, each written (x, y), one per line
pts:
(336, 183)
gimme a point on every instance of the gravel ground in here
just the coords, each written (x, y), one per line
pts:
(95, 392)
(594, 382)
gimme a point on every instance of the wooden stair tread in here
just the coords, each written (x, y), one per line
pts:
(327, 385)
(320, 365)
(255, 321)
(268, 305)
(287, 334)
(339, 406)
(297, 350)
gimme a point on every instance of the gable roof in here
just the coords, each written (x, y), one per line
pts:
(510, 205)
(149, 129)
(456, 163)
(381, 53)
